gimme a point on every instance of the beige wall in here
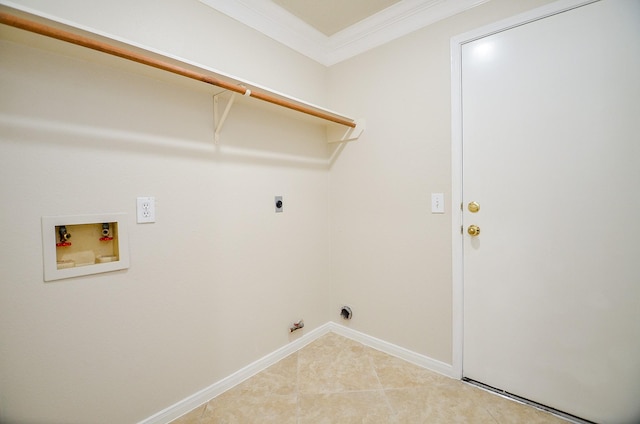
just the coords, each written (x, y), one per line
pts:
(391, 258)
(215, 282)
(195, 31)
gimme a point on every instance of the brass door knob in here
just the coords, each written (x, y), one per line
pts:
(473, 230)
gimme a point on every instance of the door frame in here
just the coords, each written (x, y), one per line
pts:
(456, 158)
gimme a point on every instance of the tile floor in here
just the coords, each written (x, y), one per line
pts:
(337, 380)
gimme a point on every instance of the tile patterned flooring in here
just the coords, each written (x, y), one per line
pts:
(338, 380)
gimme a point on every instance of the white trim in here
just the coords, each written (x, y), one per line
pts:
(393, 350)
(275, 22)
(456, 209)
(456, 155)
(205, 395)
(393, 22)
(184, 406)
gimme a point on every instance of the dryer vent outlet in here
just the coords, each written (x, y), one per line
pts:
(346, 312)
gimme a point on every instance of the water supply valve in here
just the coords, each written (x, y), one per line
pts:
(105, 232)
(296, 326)
(64, 237)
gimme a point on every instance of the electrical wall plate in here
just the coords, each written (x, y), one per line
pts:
(437, 202)
(76, 245)
(146, 210)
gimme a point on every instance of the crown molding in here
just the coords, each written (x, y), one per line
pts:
(275, 22)
(393, 22)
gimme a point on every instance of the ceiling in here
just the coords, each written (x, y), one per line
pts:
(331, 16)
(330, 31)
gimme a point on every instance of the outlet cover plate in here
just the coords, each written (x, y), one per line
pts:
(146, 210)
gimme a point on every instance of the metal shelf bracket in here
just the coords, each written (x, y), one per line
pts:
(218, 120)
(339, 135)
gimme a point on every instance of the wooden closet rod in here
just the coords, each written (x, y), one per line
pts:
(79, 40)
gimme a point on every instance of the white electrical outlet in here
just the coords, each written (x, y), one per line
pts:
(146, 209)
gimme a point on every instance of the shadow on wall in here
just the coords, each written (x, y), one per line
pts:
(52, 97)
(23, 129)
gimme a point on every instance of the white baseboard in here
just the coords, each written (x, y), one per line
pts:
(394, 350)
(203, 396)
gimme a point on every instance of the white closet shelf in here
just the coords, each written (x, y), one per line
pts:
(341, 128)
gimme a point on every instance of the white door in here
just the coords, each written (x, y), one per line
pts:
(551, 153)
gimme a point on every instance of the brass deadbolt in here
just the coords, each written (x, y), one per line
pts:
(473, 207)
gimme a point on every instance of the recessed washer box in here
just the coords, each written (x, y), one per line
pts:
(76, 245)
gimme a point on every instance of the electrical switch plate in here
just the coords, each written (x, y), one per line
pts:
(146, 211)
(437, 202)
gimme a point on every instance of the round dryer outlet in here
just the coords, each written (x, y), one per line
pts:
(346, 312)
